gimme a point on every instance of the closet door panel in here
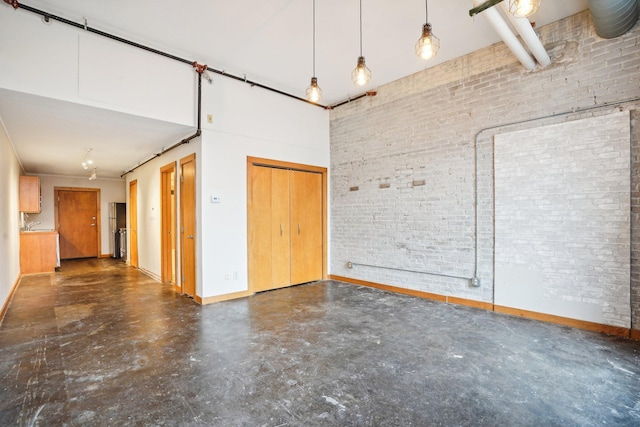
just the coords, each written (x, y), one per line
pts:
(260, 225)
(280, 229)
(306, 226)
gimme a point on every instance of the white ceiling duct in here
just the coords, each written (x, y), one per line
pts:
(506, 34)
(613, 18)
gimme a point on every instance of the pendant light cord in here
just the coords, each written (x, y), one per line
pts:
(360, 27)
(314, 38)
(426, 11)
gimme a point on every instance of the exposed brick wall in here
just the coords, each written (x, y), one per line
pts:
(429, 126)
(562, 225)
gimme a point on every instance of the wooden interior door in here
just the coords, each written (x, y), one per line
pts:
(280, 229)
(188, 224)
(306, 226)
(133, 223)
(286, 207)
(168, 223)
(78, 219)
(259, 230)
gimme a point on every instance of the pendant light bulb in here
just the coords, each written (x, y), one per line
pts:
(523, 8)
(427, 46)
(314, 93)
(361, 74)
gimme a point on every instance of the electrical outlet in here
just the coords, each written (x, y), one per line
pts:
(475, 282)
(349, 264)
(227, 276)
(209, 118)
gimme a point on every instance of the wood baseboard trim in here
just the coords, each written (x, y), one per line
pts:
(5, 306)
(104, 256)
(394, 289)
(565, 321)
(220, 298)
(633, 334)
(420, 294)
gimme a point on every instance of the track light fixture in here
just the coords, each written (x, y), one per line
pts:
(523, 8)
(94, 175)
(361, 74)
(314, 93)
(87, 162)
(428, 44)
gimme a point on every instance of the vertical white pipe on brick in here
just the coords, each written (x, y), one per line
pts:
(506, 34)
(524, 28)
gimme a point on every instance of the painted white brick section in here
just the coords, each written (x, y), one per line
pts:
(434, 126)
(562, 219)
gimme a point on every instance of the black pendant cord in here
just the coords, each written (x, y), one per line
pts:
(360, 27)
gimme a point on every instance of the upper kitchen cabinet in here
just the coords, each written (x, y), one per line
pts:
(30, 194)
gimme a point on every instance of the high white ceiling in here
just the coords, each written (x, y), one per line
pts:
(269, 41)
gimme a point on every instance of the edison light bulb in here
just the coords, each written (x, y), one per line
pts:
(361, 74)
(314, 93)
(427, 45)
(523, 8)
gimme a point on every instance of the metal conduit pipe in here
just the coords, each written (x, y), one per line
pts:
(476, 142)
(506, 34)
(613, 18)
(529, 36)
(199, 69)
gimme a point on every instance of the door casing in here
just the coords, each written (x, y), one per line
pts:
(133, 223)
(188, 230)
(169, 254)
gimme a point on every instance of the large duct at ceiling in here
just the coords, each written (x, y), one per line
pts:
(613, 18)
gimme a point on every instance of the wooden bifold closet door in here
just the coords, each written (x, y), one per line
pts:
(285, 227)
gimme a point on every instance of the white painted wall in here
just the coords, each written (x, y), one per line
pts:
(111, 190)
(70, 64)
(148, 177)
(246, 122)
(10, 171)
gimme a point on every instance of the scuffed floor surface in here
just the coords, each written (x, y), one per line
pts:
(99, 343)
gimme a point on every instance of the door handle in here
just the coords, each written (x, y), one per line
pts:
(298, 228)
(281, 229)
(190, 236)
(92, 225)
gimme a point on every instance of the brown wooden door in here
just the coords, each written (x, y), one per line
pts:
(133, 223)
(260, 225)
(77, 214)
(280, 229)
(168, 222)
(286, 228)
(188, 223)
(306, 226)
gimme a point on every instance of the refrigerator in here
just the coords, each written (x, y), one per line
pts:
(117, 228)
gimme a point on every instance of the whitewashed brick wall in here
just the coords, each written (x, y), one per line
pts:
(425, 126)
(562, 219)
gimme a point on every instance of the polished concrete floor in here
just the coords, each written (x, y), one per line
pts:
(99, 343)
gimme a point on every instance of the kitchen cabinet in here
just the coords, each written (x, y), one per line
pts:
(29, 198)
(38, 251)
